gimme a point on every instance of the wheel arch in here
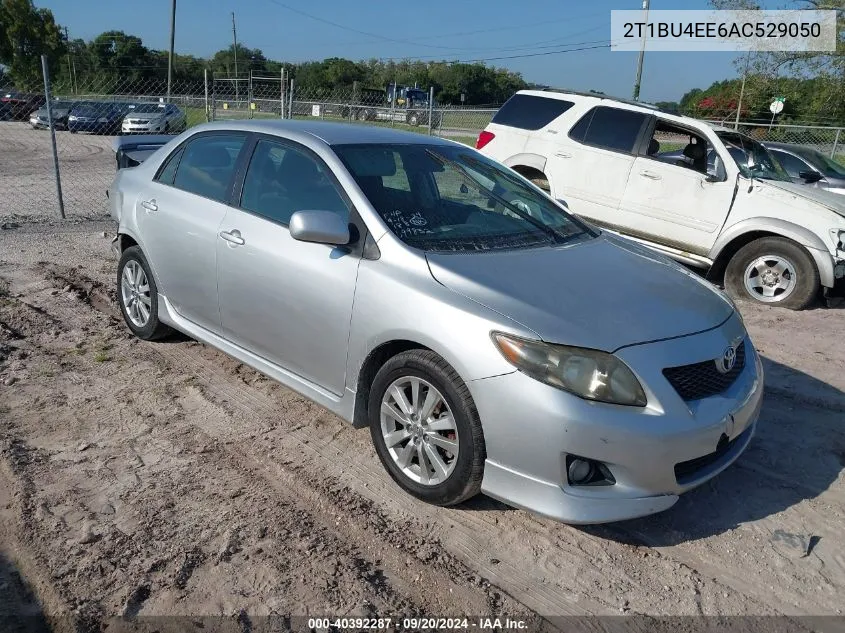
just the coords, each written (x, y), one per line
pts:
(533, 161)
(374, 361)
(742, 233)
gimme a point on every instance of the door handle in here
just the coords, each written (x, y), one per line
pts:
(650, 175)
(563, 155)
(233, 237)
(150, 205)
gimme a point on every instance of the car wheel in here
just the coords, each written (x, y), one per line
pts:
(775, 271)
(138, 296)
(426, 429)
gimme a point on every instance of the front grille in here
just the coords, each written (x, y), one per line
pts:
(700, 380)
(687, 472)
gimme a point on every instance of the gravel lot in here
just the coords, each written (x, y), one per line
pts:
(142, 479)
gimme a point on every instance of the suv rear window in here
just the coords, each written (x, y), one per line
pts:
(528, 112)
(609, 128)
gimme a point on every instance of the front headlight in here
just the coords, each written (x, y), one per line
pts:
(586, 373)
(71, 118)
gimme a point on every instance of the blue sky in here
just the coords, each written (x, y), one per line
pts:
(432, 29)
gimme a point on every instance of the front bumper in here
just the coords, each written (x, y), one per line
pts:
(139, 128)
(531, 428)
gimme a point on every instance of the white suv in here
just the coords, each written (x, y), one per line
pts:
(706, 196)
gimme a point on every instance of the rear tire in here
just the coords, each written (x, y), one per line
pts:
(774, 271)
(138, 296)
(452, 421)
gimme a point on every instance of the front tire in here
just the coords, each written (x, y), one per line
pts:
(426, 429)
(138, 296)
(775, 271)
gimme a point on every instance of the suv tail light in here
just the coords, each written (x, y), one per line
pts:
(484, 138)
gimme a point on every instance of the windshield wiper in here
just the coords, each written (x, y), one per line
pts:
(557, 237)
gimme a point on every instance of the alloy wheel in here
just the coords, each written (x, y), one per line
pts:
(135, 293)
(419, 430)
(770, 278)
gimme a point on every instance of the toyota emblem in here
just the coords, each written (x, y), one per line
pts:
(728, 360)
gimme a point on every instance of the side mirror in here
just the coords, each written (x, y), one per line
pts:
(810, 176)
(321, 227)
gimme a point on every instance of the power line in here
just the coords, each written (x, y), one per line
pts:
(354, 30)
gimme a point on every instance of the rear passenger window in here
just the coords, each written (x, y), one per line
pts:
(528, 112)
(609, 128)
(168, 172)
(207, 165)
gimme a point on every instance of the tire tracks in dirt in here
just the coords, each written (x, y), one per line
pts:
(528, 558)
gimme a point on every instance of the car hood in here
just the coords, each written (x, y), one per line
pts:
(792, 193)
(603, 294)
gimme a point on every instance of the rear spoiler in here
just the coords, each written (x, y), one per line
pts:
(133, 150)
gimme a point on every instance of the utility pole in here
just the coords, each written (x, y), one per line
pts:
(742, 90)
(172, 40)
(235, 50)
(69, 69)
(642, 54)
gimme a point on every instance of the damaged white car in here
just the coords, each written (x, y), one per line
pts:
(737, 217)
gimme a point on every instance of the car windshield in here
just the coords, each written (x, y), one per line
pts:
(451, 198)
(758, 162)
(148, 108)
(60, 105)
(827, 166)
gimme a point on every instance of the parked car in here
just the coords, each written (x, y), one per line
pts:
(807, 165)
(98, 117)
(131, 151)
(154, 118)
(59, 110)
(742, 222)
(19, 106)
(491, 341)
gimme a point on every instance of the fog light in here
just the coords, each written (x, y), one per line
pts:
(580, 471)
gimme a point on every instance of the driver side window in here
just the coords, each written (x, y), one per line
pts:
(282, 180)
(675, 145)
(792, 164)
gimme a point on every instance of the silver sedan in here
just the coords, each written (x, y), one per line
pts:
(491, 341)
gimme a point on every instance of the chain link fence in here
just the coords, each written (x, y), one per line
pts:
(86, 118)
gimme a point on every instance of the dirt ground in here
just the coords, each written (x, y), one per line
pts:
(141, 479)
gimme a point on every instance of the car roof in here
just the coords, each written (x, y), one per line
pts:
(329, 132)
(627, 104)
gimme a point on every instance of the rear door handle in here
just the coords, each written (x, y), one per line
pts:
(651, 175)
(563, 155)
(233, 237)
(150, 205)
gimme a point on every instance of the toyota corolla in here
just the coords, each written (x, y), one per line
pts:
(491, 341)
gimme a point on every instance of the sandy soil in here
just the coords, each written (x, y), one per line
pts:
(167, 479)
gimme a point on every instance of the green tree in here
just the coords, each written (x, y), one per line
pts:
(812, 82)
(26, 33)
